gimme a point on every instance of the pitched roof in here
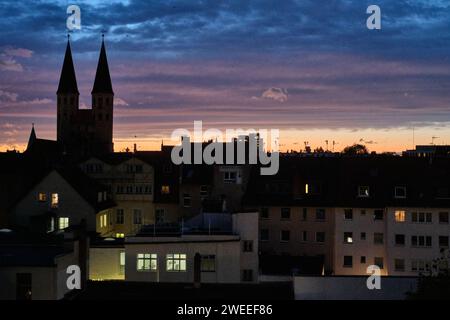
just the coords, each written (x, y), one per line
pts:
(102, 83)
(68, 80)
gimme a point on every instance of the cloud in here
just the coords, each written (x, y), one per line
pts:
(9, 64)
(120, 102)
(18, 52)
(7, 61)
(277, 94)
(8, 96)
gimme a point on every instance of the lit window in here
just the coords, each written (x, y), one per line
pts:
(121, 262)
(165, 189)
(42, 197)
(400, 216)
(208, 263)
(120, 235)
(176, 262)
(63, 223)
(306, 188)
(348, 237)
(363, 191)
(55, 200)
(400, 192)
(147, 262)
(103, 220)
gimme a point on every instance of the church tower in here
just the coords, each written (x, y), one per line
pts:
(67, 98)
(102, 105)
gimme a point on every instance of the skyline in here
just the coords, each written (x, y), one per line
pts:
(315, 74)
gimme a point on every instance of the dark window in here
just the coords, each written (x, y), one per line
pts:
(320, 214)
(305, 214)
(285, 213)
(208, 263)
(304, 236)
(378, 238)
(378, 261)
(443, 217)
(348, 261)
(264, 213)
(363, 259)
(119, 216)
(378, 214)
(348, 214)
(187, 200)
(23, 286)
(400, 239)
(399, 264)
(247, 246)
(247, 275)
(443, 241)
(320, 237)
(363, 236)
(363, 212)
(264, 235)
(400, 192)
(285, 235)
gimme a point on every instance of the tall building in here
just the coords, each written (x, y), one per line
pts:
(85, 131)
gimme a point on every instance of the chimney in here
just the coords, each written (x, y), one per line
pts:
(135, 148)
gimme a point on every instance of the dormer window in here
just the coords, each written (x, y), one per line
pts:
(363, 191)
(400, 192)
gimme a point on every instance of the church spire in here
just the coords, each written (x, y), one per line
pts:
(68, 80)
(32, 138)
(102, 83)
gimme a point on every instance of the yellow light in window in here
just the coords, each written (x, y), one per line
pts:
(165, 189)
(306, 188)
(400, 216)
(42, 197)
(120, 235)
(55, 200)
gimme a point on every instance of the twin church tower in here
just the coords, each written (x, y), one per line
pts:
(85, 131)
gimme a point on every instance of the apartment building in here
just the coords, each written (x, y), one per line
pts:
(213, 248)
(379, 210)
(59, 200)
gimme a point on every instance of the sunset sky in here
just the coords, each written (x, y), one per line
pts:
(309, 68)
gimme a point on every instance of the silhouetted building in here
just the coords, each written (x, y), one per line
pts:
(85, 131)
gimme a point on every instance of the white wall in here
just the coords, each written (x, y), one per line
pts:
(227, 261)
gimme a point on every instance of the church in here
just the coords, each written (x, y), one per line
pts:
(82, 131)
